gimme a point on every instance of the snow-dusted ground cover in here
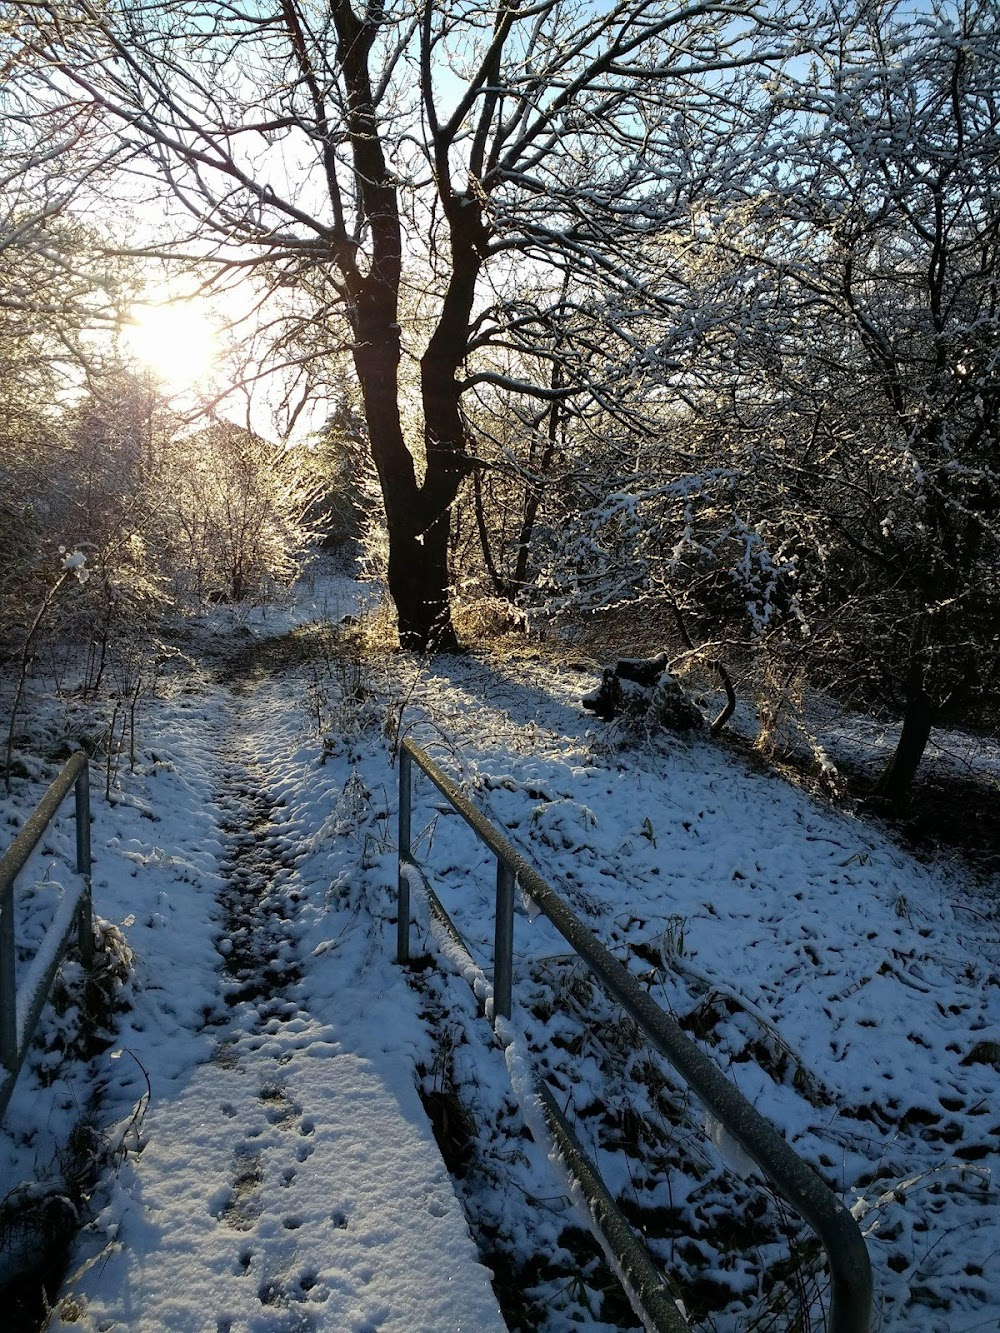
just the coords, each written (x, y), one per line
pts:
(820, 736)
(851, 992)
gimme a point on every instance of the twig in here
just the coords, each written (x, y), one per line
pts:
(47, 601)
(716, 664)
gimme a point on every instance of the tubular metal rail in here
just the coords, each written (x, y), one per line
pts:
(794, 1180)
(20, 1006)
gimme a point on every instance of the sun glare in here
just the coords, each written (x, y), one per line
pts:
(176, 340)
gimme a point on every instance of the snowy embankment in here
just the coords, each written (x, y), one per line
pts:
(852, 993)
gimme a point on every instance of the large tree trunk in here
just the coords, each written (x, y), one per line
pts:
(421, 588)
(417, 516)
(418, 541)
(445, 434)
(896, 780)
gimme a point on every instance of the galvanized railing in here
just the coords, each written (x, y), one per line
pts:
(20, 1006)
(794, 1180)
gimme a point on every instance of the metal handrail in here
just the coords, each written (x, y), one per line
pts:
(18, 1028)
(795, 1181)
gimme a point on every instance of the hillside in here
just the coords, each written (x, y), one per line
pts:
(850, 990)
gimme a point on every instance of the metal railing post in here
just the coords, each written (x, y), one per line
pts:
(503, 940)
(85, 928)
(403, 884)
(17, 1029)
(8, 986)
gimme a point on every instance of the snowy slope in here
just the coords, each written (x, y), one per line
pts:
(288, 1177)
(780, 932)
(851, 992)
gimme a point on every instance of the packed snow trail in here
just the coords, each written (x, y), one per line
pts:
(290, 1180)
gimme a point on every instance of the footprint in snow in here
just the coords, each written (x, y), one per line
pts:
(239, 1207)
(280, 1111)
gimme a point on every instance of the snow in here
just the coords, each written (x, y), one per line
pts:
(288, 1176)
(284, 1175)
(75, 562)
(866, 974)
(28, 989)
(293, 1184)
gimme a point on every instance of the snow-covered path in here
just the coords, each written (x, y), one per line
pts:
(289, 1178)
(367, 1233)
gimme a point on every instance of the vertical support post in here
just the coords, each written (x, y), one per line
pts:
(403, 884)
(8, 986)
(85, 928)
(503, 943)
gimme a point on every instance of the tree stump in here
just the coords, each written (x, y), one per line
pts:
(644, 687)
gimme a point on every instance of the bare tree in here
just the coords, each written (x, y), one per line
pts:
(441, 147)
(827, 472)
(844, 381)
(232, 514)
(898, 191)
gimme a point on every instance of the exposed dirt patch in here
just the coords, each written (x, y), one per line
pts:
(254, 944)
(954, 815)
(248, 659)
